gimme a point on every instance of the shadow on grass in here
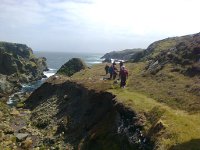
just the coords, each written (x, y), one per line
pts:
(191, 145)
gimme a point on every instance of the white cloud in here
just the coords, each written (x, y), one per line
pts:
(114, 24)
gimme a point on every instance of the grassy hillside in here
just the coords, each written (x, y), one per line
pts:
(166, 100)
(183, 53)
(160, 103)
(164, 87)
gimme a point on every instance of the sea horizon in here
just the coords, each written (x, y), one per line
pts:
(56, 59)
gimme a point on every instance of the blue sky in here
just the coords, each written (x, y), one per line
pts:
(95, 25)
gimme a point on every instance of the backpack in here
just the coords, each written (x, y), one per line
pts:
(110, 70)
(123, 73)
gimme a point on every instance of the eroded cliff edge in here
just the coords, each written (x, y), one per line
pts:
(86, 118)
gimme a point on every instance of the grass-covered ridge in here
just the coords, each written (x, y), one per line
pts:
(166, 98)
(161, 99)
(164, 87)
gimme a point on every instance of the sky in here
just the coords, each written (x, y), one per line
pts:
(95, 25)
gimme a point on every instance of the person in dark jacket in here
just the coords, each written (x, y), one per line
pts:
(115, 70)
(107, 69)
(123, 76)
(110, 70)
(120, 64)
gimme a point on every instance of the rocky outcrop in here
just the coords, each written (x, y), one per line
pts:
(72, 66)
(18, 65)
(183, 53)
(121, 55)
(7, 85)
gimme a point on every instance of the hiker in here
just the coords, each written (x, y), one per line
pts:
(107, 69)
(120, 64)
(124, 76)
(114, 71)
(110, 70)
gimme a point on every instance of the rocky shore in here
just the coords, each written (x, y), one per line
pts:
(18, 65)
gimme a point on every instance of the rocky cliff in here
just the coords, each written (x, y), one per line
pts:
(18, 65)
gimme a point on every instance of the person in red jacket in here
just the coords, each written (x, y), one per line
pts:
(123, 76)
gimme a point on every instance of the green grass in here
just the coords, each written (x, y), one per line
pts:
(168, 87)
(180, 126)
(93, 78)
(163, 45)
(163, 98)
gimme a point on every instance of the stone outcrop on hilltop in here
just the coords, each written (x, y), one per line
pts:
(18, 65)
(121, 55)
(183, 53)
(72, 66)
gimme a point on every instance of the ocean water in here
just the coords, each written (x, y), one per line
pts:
(56, 59)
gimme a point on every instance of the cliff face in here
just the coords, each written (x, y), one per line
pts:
(87, 119)
(18, 65)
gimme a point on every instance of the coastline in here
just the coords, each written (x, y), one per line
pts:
(30, 87)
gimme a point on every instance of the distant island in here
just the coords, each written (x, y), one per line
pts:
(82, 109)
(126, 54)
